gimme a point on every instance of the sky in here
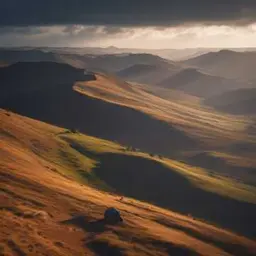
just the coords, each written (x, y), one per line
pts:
(128, 23)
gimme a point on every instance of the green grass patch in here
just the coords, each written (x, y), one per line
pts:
(88, 151)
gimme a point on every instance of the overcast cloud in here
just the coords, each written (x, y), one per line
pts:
(163, 23)
(125, 12)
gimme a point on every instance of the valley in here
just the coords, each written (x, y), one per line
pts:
(170, 144)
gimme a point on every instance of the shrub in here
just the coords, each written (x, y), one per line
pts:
(74, 130)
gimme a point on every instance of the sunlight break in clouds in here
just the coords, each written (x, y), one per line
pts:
(131, 37)
(186, 37)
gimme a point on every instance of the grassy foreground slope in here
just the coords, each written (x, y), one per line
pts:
(50, 203)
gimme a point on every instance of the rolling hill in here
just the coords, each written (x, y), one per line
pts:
(242, 101)
(153, 119)
(94, 62)
(147, 74)
(56, 184)
(51, 98)
(172, 54)
(28, 77)
(200, 84)
(19, 55)
(113, 63)
(201, 123)
(226, 63)
(181, 173)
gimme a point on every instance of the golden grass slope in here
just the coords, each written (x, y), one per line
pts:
(218, 134)
(209, 126)
(47, 210)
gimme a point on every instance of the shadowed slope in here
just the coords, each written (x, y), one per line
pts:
(241, 102)
(207, 127)
(239, 166)
(135, 176)
(128, 113)
(15, 55)
(28, 77)
(57, 103)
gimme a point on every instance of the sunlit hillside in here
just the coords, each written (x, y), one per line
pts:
(51, 204)
(212, 131)
(209, 126)
(155, 120)
(127, 128)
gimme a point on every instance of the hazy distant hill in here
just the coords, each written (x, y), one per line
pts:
(115, 62)
(172, 54)
(107, 62)
(200, 84)
(12, 56)
(242, 101)
(147, 74)
(225, 63)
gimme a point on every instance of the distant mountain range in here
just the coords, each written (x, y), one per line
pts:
(204, 76)
(200, 84)
(172, 54)
(225, 63)
(105, 63)
(148, 74)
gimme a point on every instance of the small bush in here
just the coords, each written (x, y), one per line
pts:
(129, 148)
(74, 130)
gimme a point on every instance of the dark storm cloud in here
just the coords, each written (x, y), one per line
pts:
(22, 30)
(125, 12)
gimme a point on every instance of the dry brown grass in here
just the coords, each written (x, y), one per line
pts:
(46, 213)
(225, 135)
(211, 127)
